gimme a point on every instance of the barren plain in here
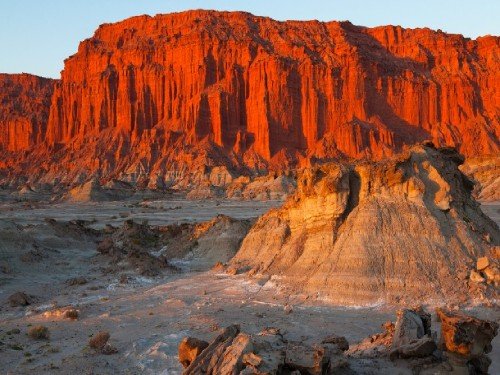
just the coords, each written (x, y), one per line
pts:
(49, 252)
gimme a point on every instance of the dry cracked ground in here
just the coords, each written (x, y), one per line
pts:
(78, 276)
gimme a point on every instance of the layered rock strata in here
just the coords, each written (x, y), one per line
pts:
(24, 110)
(153, 99)
(403, 229)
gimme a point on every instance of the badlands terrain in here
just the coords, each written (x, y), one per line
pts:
(151, 271)
(220, 193)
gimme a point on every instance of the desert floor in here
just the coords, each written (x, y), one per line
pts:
(147, 317)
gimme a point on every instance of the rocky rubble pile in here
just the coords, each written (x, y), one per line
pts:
(486, 271)
(459, 347)
(409, 345)
(132, 245)
(235, 352)
(150, 249)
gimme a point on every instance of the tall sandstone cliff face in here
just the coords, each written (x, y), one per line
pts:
(266, 93)
(24, 110)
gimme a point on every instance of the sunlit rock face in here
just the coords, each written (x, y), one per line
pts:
(149, 97)
(401, 230)
(24, 110)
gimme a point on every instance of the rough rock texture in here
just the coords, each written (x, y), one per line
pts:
(92, 191)
(234, 352)
(468, 340)
(151, 99)
(485, 172)
(24, 110)
(189, 349)
(150, 249)
(400, 230)
(19, 299)
(412, 335)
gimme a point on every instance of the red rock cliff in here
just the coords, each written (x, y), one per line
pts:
(271, 91)
(24, 110)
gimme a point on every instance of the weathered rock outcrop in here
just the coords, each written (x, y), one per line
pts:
(402, 229)
(234, 352)
(467, 341)
(408, 347)
(151, 99)
(464, 343)
(485, 172)
(150, 249)
(24, 110)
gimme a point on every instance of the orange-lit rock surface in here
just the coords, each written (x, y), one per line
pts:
(24, 110)
(402, 230)
(146, 98)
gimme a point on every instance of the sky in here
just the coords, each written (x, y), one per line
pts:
(37, 35)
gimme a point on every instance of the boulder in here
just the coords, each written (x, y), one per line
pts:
(306, 359)
(189, 349)
(409, 328)
(375, 345)
(476, 277)
(314, 360)
(251, 359)
(234, 352)
(209, 358)
(19, 299)
(412, 335)
(231, 361)
(467, 339)
(482, 263)
(492, 274)
(415, 349)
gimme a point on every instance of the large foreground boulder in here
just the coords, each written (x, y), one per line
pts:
(405, 229)
(467, 340)
(234, 352)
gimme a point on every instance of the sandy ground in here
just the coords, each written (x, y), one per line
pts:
(146, 317)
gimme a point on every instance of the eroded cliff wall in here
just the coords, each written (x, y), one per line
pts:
(24, 110)
(264, 93)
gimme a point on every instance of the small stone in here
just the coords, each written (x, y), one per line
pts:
(123, 279)
(98, 341)
(108, 349)
(476, 277)
(482, 263)
(218, 267)
(80, 280)
(496, 252)
(288, 309)
(251, 359)
(19, 299)
(492, 273)
(105, 246)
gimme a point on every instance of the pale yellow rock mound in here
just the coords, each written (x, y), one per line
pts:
(404, 229)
